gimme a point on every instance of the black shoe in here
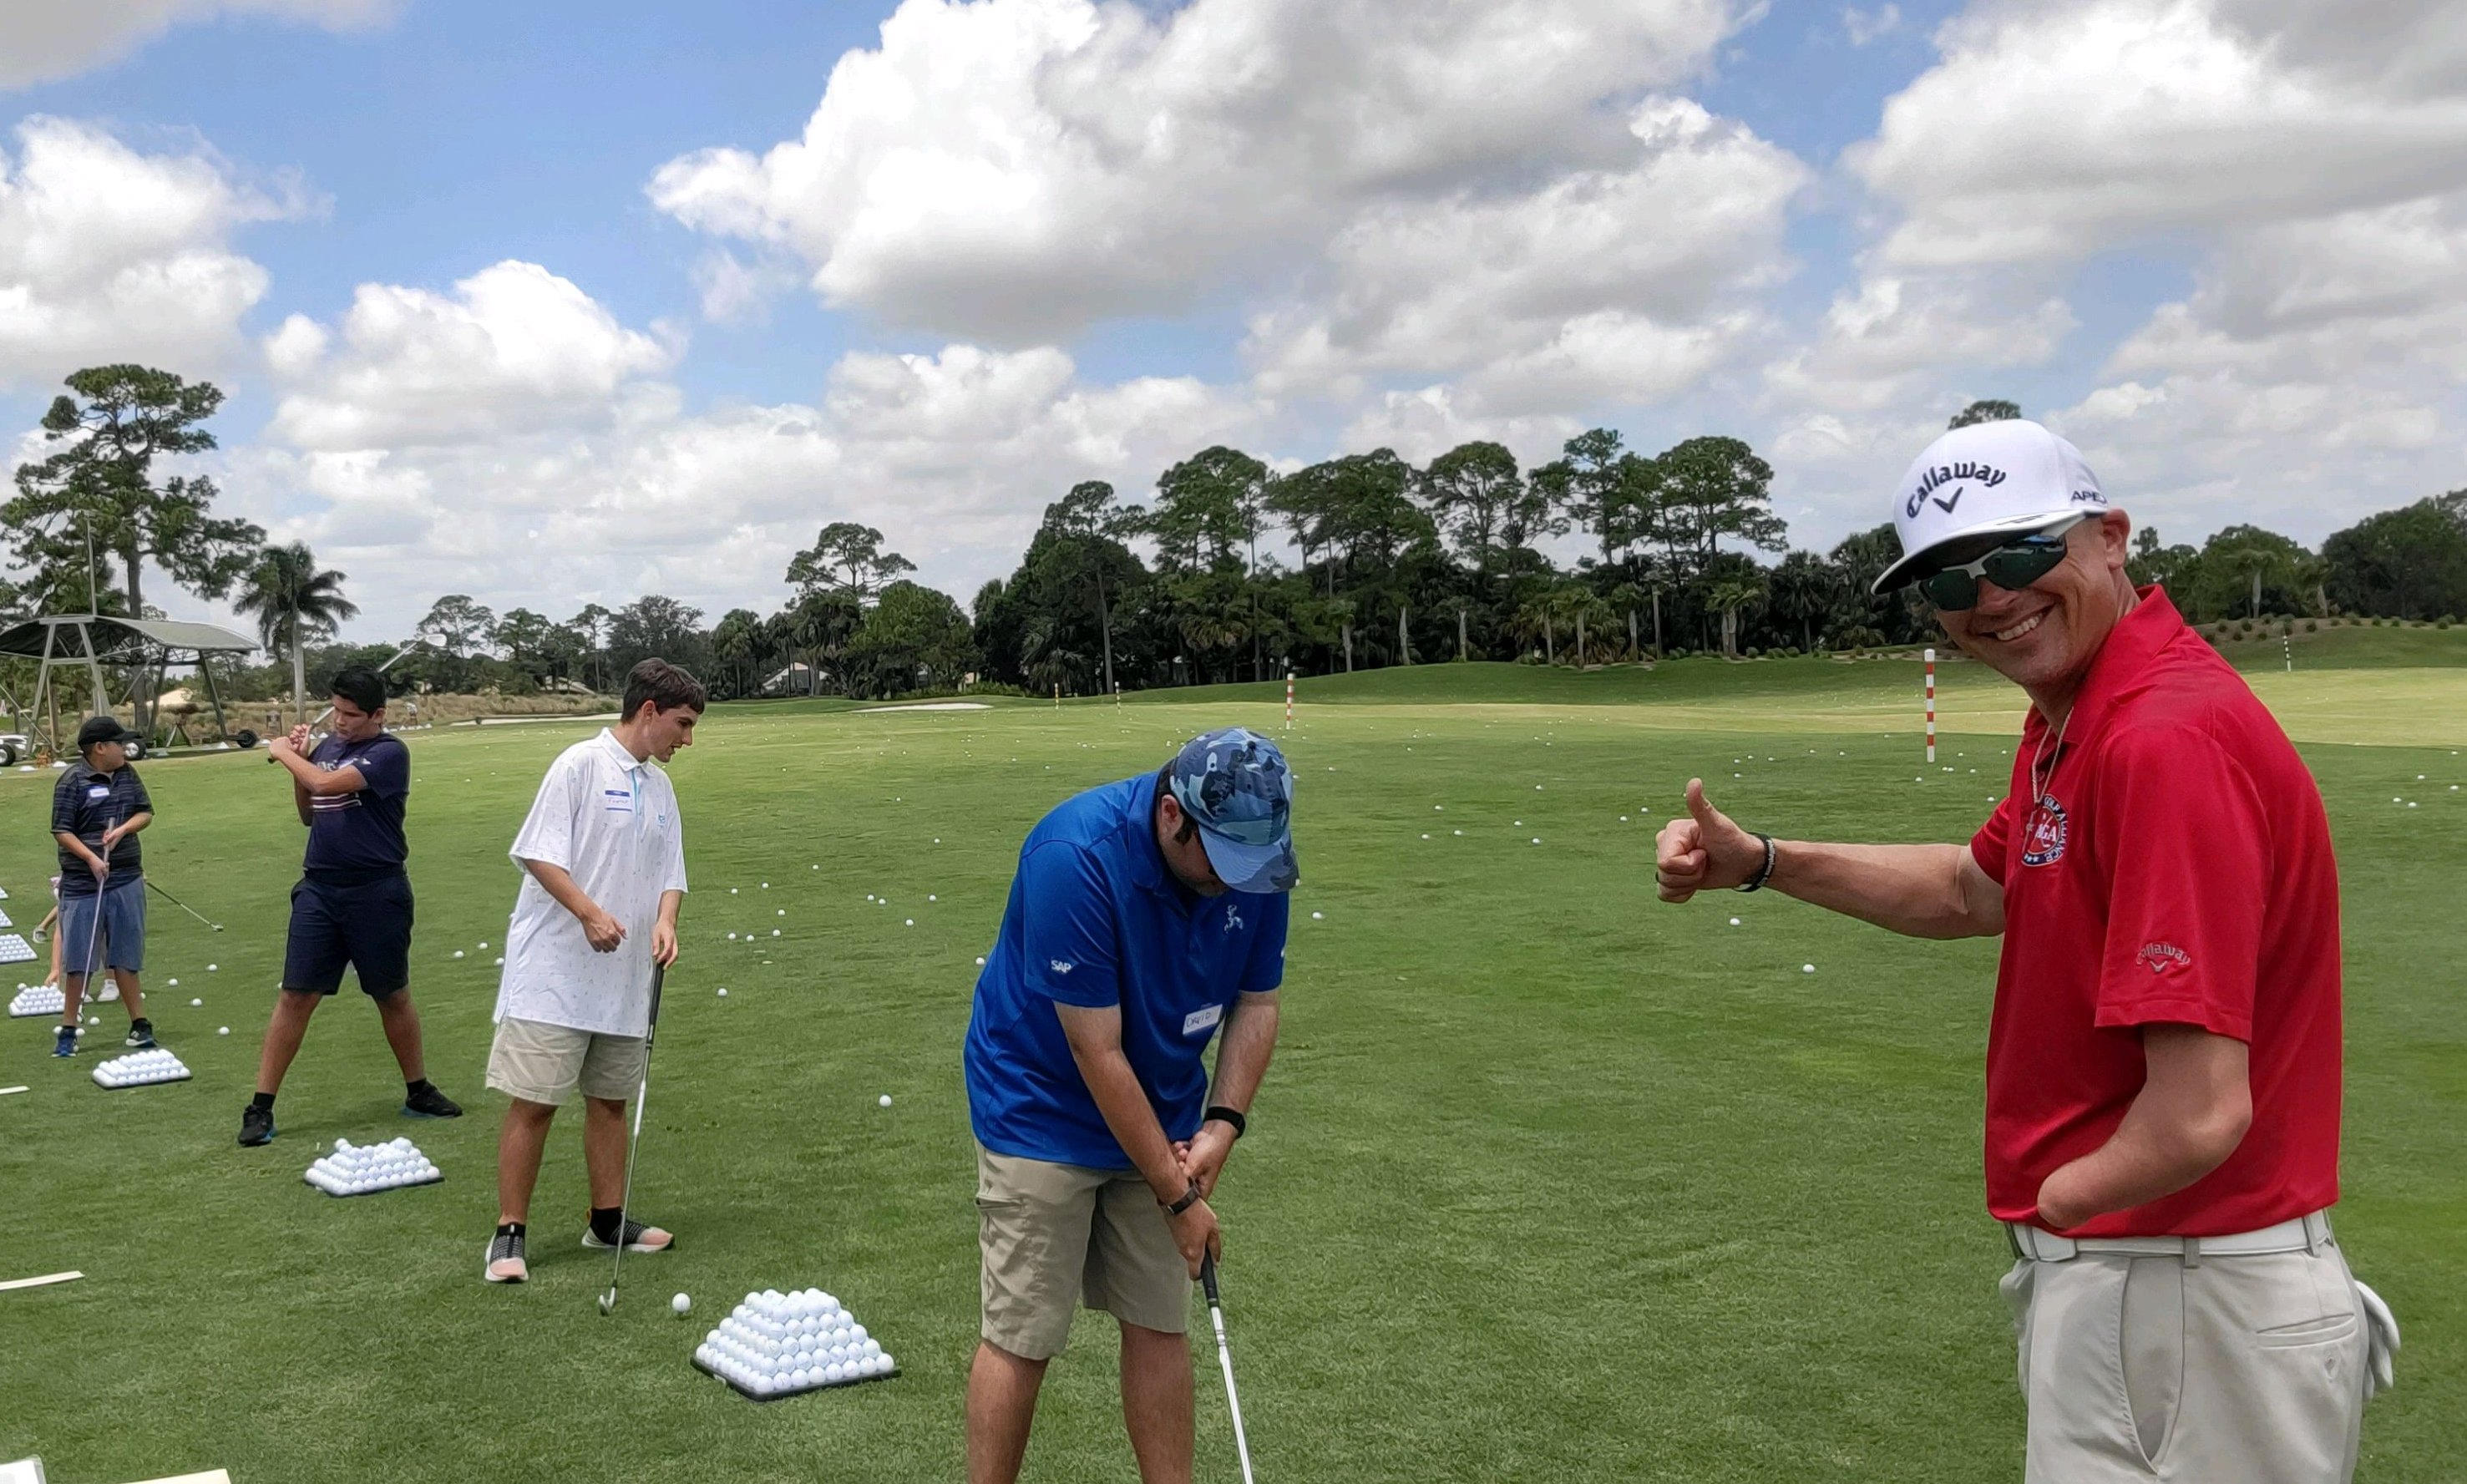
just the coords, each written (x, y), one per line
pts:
(257, 1126)
(141, 1034)
(429, 1103)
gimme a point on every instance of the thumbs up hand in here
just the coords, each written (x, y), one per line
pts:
(1706, 851)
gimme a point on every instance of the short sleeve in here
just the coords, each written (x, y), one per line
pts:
(1266, 969)
(672, 872)
(1069, 938)
(547, 834)
(140, 802)
(2186, 849)
(1992, 847)
(385, 768)
(64, 807)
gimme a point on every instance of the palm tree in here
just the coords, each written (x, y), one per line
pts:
(292, 600)
(1727, 598)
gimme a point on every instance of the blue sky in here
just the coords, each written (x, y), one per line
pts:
(1818, 227)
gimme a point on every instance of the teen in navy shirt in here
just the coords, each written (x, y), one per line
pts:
(352, 907)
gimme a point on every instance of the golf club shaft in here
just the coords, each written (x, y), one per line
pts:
(183, 906)
(1225, 1360)
(634, 1142)
(382, 669)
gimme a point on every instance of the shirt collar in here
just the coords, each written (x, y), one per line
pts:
(616, 750)
(2117, 670)
(1147, 862)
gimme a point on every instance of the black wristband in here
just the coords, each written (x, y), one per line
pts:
(1218, 1112)
(1757, 882)
(1189, 1198)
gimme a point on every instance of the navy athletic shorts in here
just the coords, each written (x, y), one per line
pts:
(365, 926)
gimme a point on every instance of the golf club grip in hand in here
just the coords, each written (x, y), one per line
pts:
(1208, 1274)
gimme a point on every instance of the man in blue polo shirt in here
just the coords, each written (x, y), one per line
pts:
(353, 907)
(1146, 916)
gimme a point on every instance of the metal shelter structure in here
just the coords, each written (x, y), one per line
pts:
(89, 642)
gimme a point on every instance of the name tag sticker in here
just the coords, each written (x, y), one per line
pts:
(98, 791)
(1198, 1020)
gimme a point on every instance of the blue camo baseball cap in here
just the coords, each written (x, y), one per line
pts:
(1234, 785)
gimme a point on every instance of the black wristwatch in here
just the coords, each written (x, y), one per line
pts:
(1218, 1112)
(1189, 1198)
(1757, 882)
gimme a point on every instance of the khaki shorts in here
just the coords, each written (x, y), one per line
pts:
(1056, 1235)
(541, 1062)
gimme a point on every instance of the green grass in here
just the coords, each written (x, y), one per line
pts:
(1549, 1182)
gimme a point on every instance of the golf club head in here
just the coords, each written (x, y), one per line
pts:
(609, 1302)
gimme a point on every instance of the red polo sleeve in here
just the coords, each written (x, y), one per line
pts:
(2186, 848)
(1992, 846)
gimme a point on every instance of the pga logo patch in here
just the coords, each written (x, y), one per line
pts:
(2043, 837)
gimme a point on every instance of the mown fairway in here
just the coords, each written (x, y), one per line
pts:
(1550, 1182)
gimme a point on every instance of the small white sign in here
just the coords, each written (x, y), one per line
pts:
(1201, 1021)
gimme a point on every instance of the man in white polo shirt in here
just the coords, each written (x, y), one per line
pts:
(603, 859)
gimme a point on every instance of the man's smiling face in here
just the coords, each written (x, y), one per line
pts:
(2043, 637)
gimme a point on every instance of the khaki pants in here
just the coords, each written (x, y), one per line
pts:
(1053, 1236)
(2226, 1370)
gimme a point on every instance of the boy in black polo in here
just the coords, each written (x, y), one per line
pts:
(352, 905)
(97, 807)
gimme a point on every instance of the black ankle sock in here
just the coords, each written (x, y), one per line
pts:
(415, 1089)
(264, 1100)
(510, 1230)
(603, 1222)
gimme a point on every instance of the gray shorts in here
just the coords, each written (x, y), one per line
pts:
(541, 1062)
(121, 912)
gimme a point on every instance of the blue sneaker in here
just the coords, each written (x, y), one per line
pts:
(66, 1044)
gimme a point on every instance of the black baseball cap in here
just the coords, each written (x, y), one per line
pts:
(99, 729)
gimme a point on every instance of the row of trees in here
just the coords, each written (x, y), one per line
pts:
(1231, 570)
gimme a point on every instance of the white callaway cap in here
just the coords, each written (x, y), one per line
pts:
(1986, 478)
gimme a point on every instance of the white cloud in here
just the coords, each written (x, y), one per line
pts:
(513, 348)
(2053, 131)
(1422, 424)
(1865, 27)
(513, 440)
(110, 254)
(1016, 169)
(1882, 343)
(45, 39)
(1599, 285)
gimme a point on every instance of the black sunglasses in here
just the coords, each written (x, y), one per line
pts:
(2013, 566)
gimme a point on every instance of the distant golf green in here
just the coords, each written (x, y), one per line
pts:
(1550, 1182)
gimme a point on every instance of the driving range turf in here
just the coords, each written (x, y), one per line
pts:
(1550, 1182)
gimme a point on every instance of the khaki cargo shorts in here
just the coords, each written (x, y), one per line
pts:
(1054, 1236)
(541, 1062)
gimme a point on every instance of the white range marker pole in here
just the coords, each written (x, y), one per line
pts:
(47, 1279)
(1289, 698)
(1931, 704)
(2287, 643)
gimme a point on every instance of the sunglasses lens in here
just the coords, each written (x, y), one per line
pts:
(1953, 592)
(2025, 562)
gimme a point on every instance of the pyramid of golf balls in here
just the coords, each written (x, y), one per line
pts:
(37, 999)
(777, 1344)
(15, 948)
(140, 1068)
(365, 1169)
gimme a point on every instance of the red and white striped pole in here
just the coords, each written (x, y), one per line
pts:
(1931, 704)
(1289, 698)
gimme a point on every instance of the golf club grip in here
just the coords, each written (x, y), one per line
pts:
(1208, 1274)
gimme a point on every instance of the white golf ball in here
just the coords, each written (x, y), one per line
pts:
(1318, 916)
(912, 922)
(197, 1004)
(732, 892)
(723, 992)
(1735, 922)
(884, 1101)
(174, 984)
(775, 932)
(458, 952)
(681, 1303)
(224, 1031)
(210, 968)
(766, 885)
(782, 911)
(484, 947)
(732, 937)
(1807, 968)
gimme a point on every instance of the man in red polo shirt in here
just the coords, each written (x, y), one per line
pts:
(2163, 1058)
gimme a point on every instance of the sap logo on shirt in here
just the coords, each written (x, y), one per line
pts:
(2163, 956)
(2043, 838)
(1058, 966)
(1200, 1021)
